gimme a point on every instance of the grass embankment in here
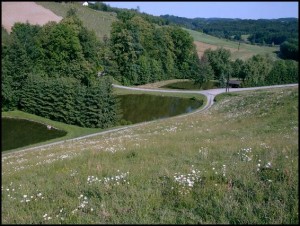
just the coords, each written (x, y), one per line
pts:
(243, 52)
(237, 163)
(98, 21)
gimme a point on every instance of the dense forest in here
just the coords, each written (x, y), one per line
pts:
(51, 71)
(143, 53)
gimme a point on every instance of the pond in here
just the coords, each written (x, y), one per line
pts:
(143, 107)
(20, 132)
(191, 86)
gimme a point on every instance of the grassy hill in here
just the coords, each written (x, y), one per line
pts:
(98, 21)
(244, 51)
(234, 164)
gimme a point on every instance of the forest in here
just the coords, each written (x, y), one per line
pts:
(51, 71)
(63, 72)
(261, 31)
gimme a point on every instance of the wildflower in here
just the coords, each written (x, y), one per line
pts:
(268, 165)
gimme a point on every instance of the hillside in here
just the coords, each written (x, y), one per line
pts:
(237, 163)
(98, 21)
(241, 51)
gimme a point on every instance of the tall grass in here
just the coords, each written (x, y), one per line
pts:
(237, 163)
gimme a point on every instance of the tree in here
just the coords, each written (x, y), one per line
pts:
(256, 70)
(206, 72)
(289, 49)
(219, 60)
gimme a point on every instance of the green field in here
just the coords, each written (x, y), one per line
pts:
(98, 21)
(236, 163)
(245, 50)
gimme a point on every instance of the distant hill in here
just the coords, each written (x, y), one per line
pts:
(261, 31)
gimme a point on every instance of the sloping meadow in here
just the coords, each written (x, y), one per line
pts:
(236, 163)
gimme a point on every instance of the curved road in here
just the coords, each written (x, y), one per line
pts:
(210, 95)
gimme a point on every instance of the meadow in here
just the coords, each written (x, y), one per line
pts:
(236, 163)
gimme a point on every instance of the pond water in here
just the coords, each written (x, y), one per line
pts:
(20, 132)
(142, 107)
(191, 86)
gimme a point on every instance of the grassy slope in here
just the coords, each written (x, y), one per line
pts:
(216, 142)
(98, 21)
(245, 52)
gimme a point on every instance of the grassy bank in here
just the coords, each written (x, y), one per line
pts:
(236, 163)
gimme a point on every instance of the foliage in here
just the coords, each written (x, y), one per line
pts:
(289, 49)
(259, 70)
(51, 71)
(261, 31)
(219, 61)
(144, 53)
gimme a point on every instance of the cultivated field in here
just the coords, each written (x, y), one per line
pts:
(13, 12)
(236, 163)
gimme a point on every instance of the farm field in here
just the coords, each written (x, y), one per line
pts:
(236, 163)
(13, 12)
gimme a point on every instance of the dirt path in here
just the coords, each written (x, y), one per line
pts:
(12, 12)
(210, 95)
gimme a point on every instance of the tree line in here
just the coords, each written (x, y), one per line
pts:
(259, 70)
